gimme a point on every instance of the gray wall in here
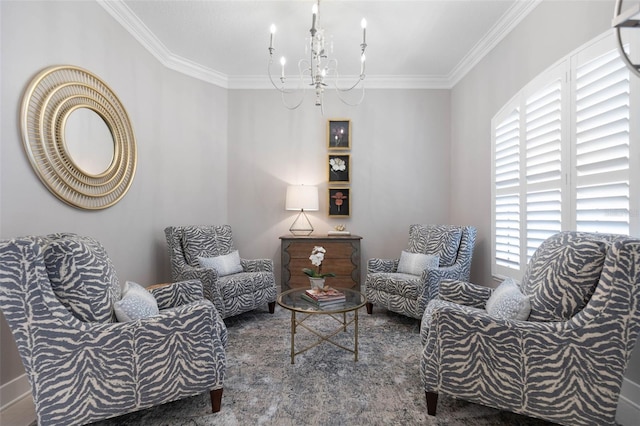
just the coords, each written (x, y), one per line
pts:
(181, 129)
(399, 165)
(551, 31)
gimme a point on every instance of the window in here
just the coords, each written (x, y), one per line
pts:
(562, 156)
(602, 145)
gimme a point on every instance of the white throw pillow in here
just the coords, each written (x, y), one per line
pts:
(136, 303)
(508, 302)
(224, 265)
(415, 263)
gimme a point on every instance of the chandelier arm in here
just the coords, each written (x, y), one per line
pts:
(356, 84)
(284, 91)
(273, 83)
(302, 63)
(344, 101)
(289, 107)
(333, 69)
(635, 68)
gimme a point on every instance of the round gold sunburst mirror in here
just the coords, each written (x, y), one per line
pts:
(78, 137)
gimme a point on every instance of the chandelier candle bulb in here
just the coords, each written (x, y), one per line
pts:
(272, 31)
(314, 11)
(363, 24)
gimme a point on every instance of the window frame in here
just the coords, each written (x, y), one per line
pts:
(565, 71)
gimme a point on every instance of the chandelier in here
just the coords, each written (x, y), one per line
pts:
(630, 18)
(319, 69)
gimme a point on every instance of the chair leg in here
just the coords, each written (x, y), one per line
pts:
(432, 402)
(369, 306)
(272, 307)
(216, 400)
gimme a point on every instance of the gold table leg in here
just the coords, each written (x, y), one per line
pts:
(355, 334)
(325, 337)
(293, 339)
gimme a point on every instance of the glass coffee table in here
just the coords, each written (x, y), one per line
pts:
(292, 301)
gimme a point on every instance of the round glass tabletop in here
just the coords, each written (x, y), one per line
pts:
(294, 300)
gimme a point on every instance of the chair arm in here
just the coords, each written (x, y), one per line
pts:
(432, 278)
(200, 331)
(382, 265)
(185, 318)
(478, 322)
(510, 343)
(464, 293)
(131, 360)
(189, 272)
(208, 278)
(178, 293)
(257, 265)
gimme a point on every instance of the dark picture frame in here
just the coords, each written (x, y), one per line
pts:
(339, 202)
(339, 134)
(339, 166)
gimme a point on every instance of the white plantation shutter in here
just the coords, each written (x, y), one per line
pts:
(543, 171)
(562, 156)
(602, 145)
(506, 190)
(544, 217)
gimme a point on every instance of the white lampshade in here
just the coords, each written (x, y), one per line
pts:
(302, 197)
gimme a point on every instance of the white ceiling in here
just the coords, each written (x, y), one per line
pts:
(411, 43)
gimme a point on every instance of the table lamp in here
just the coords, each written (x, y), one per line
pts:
(301, 197)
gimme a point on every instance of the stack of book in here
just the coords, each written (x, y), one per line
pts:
(325, 298)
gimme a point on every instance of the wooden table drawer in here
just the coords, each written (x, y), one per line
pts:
(342, 258)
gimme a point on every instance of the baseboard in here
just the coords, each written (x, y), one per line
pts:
(14, 390)
(628, 411)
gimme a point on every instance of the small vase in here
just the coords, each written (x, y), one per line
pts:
(316, 282)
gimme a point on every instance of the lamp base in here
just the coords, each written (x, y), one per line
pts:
(301, 226)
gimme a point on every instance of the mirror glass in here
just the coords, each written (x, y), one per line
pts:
(88, 141)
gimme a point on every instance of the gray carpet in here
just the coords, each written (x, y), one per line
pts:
(325, 386)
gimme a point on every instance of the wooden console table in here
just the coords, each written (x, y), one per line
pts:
(342, 258)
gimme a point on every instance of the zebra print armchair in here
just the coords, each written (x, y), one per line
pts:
(57, 294)
(252, 286)
(409, 293)
(564, 364)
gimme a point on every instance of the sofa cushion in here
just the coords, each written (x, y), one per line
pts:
(508, 302)
(82, 277)
(206, 241)
(136, 303)
(415, 263)
(562, 275)
(442, 240)
(227, 264)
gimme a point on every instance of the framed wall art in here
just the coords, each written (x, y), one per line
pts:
(339, 202)
(339, 168)
(339, 134)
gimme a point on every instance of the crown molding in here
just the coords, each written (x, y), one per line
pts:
(130, 21)
(511, 18)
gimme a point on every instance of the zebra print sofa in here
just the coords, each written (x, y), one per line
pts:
(409, 294)
(565, 363)
(232, 294)
(57, 293)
